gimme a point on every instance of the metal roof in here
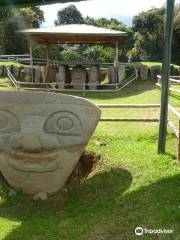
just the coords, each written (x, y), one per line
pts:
(75, 33)
(75, 29)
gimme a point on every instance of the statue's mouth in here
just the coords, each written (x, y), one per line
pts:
(34, 162)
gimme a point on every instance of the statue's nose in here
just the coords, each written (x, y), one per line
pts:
(32, 143)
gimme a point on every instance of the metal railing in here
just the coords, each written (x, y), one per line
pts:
(15, 58)
(64, 87)
(12, 79)
(173, 80)
(175, 130)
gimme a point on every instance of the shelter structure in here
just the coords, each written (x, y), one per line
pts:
(74, 33)
(85, 75)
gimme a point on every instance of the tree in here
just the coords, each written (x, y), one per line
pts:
(115, 25)
(69, 15)
(12, 20)
(176, 36)
(148, 28)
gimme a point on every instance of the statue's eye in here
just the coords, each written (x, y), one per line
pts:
(8, 122)
(64, 123)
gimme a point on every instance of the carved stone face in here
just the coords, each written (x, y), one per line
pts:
(42, 136)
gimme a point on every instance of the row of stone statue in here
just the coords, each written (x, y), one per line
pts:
(144, 71)
(76, 77)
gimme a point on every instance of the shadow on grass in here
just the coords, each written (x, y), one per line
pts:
(134, 88)
(102, 208)
(176, 96)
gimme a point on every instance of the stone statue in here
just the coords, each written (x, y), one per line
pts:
(112, 75)
(121, 69)
(94, 78)
(78, 77)
(60, 77)
(44, 71)
(1, 70)
(155, 70)
(16, 71)
(144, 72)
(37, 74)
(42, 136)
(28, 74)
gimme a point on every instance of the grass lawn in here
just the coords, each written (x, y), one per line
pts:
(150, 64)
(131, 185)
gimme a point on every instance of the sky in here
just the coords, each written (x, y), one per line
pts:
(124, 10)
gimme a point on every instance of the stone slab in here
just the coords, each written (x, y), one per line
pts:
(1, 70)
(78, 77)
(61, 77)
(28, 74)
(155, 70)
(94, 77)
(121, 70)
(144, 72)
(37, 74)
(42, 136)
(112, 75)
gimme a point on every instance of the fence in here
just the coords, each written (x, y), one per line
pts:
(174, 128)
(172, 80)
(116, 106)
(21, 58)
(170, 124)
(53, 86)
(129, 106)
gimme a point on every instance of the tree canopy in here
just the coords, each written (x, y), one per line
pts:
(12, 20)
(148, 37)
(33, 2)
(69, 15)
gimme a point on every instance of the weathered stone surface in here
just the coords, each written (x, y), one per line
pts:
(16, 71)
(155, 70)
(51, 74)
(61, 77)
(78, 77)
(112, 75)
(121, 72)
(172, 70)
(1, 70)
(37, 74)
(144, 72)
(42, 136)
(94, 77)
(44, 74)
(28, 74)
(67, 75)
(103, 74)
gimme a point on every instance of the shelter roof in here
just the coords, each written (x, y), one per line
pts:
(74, 33)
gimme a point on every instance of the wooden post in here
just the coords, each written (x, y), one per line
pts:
(178, 157)
(47, 54)
(165, 75)
(31, 57)
(116, 60)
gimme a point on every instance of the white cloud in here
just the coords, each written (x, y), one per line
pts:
(104, 8)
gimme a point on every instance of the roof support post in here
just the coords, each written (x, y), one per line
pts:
(116, 60)
(47, 47)
(165, 75)
(31, 58)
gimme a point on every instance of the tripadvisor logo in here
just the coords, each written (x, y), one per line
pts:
(140, 231)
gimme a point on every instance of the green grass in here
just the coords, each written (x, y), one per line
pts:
(150, 64)
(11, 63)
(131, 185)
